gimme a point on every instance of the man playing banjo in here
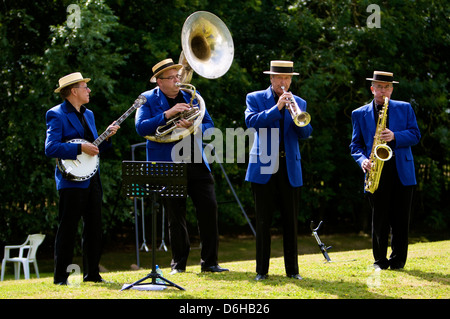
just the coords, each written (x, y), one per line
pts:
(67, 122)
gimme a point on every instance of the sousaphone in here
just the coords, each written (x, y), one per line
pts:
(208, 50)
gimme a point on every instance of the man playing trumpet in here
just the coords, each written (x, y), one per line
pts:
(277, 188)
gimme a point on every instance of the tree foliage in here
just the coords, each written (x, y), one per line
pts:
(118, 42)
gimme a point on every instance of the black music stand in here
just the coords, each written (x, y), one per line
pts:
(150, 180)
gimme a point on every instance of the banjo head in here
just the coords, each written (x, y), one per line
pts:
(80, 169)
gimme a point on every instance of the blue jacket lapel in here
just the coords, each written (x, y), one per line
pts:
(91, 123)
(393, 115)
(369, 115)
(162, 101)
(269, 101)
(73, 119)
(163, 104)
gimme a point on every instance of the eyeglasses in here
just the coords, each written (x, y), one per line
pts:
(380, 87)
(172, 77)
(81, 87)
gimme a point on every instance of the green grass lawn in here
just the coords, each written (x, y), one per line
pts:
(350, 275)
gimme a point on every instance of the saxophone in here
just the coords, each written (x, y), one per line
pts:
(381, 152)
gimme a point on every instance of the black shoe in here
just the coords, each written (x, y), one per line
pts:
(176, 271)
(296, 276)
(215, 268)
(261, 277)
(396, 266)
(62, 283)
(381, 265)
(96, 280)
(103, 281)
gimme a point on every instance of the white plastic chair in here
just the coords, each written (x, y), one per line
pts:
(31, 244)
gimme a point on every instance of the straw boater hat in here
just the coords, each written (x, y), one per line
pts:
(381, 76)
(162, 66)
(281, 67)
(71, 79)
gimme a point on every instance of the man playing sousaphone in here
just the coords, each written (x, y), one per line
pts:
(164, 102)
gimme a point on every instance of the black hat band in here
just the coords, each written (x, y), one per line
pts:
(163, 67)
(281, 69)
(384, 78)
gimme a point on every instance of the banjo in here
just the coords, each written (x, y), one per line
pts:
(85, 166)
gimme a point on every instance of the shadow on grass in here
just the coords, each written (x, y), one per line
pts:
(306, 288)
(239, 248)
(429, 276)
(335, 288)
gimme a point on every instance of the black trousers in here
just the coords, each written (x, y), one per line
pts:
(76, 204)
(200, 188)
(277, 194)
(391, 207)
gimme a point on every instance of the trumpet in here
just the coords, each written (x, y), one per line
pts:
(300, 118)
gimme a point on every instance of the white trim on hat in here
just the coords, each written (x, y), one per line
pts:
(381, 76)
(281, 67)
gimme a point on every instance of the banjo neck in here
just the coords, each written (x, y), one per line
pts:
(141, 100)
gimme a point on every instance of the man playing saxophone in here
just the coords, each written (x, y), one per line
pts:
(391, 201)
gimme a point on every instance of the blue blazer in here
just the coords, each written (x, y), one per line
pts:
(402, 121)
(151, 115)
(62, 126)
(261, 113)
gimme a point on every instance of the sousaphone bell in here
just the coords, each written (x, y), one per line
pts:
(208, 50)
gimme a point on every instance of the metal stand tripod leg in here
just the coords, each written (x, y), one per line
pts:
(144, 241)
(163, 243)
(154, 275)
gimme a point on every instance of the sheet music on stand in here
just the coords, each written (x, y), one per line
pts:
(153, 180)
(141, 179)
